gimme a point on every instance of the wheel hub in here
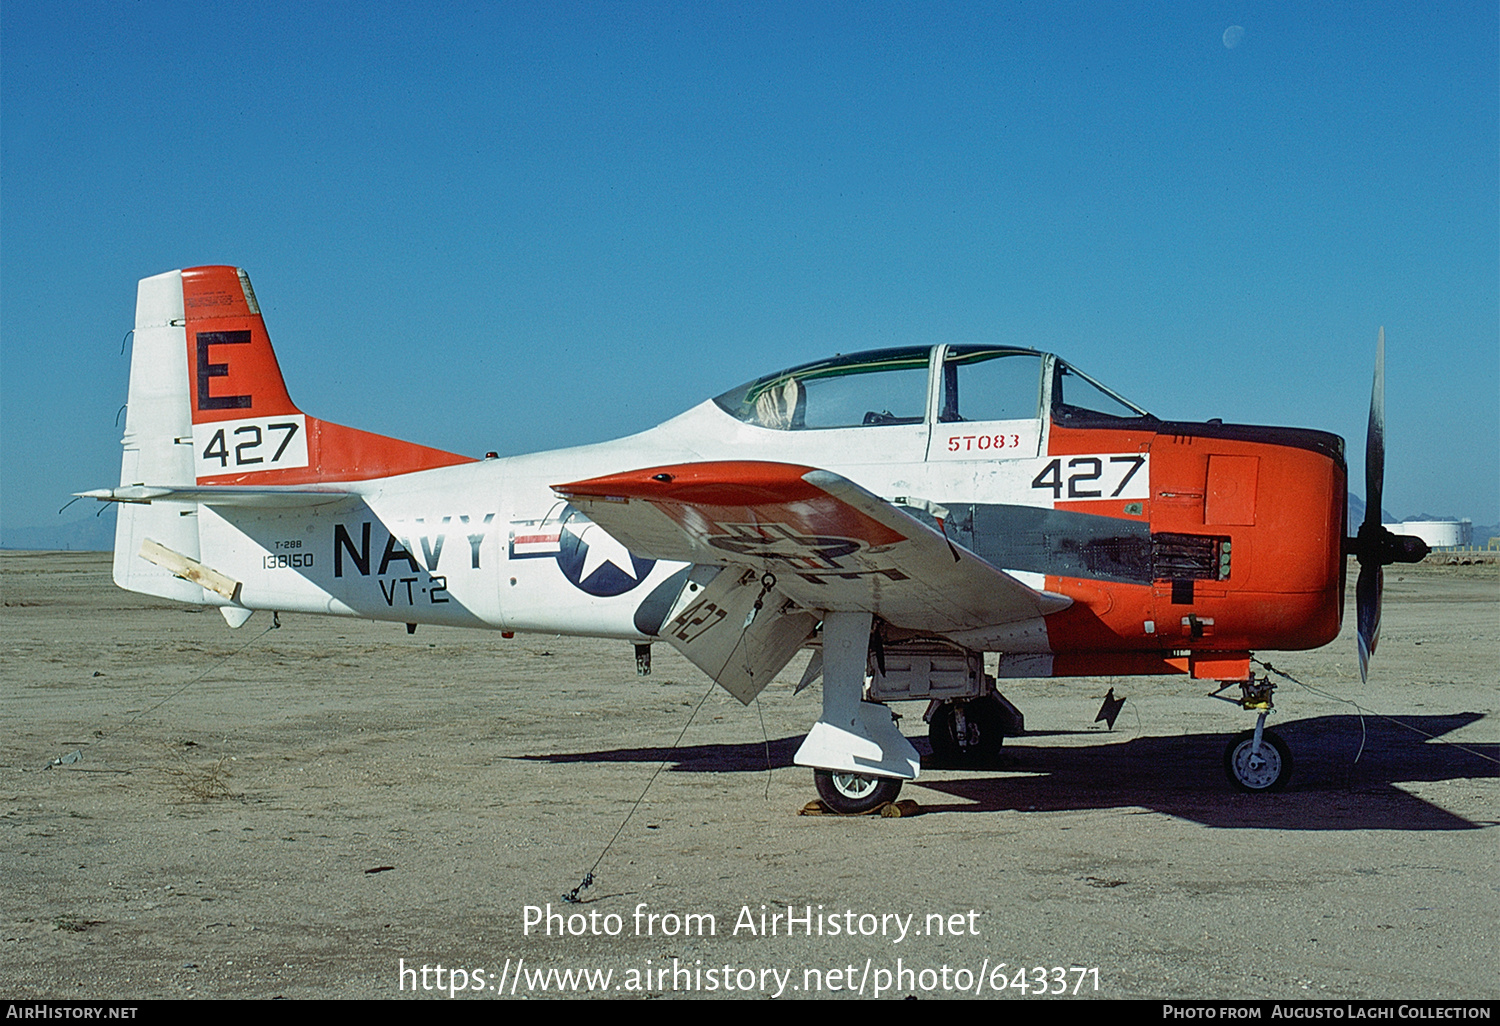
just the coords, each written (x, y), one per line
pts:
(854, 785)
(1257, 769)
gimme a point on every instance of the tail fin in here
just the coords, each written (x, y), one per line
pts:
(246, 429)
(208, 406)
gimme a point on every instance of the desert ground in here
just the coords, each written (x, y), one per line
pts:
(305, 812)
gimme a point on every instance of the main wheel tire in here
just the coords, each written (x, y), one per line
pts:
(987, 720)
(853, 793)
(1258, 774)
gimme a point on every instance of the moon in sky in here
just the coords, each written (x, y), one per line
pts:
(1232, 36)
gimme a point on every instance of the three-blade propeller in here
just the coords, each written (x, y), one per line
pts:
(1375, 547)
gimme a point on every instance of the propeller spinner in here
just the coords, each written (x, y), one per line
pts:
(1376, 547)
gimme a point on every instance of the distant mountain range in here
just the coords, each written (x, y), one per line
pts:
(90, 534)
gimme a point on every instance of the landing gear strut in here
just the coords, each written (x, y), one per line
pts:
(858, 756)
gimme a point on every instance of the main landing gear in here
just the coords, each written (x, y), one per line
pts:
(1258, 761)
(857, 755)
(852, 793)
(970, 732)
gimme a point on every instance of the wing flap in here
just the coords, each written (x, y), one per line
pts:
(828, 543)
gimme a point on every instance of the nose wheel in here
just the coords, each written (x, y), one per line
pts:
(1257, 761)
(1258, 768)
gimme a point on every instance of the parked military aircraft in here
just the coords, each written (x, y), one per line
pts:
(902, 512)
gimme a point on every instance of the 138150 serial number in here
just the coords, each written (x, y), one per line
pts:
(278, 560)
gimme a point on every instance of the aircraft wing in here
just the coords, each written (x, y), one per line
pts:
(828, 543)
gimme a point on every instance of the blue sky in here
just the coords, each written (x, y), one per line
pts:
(516, 227)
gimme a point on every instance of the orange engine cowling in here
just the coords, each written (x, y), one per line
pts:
(1246, 532)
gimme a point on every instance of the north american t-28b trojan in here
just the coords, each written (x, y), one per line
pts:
(902, 512)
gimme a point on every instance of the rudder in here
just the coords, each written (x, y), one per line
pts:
(157, 442)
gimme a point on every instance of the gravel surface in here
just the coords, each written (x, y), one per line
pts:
(308, 811)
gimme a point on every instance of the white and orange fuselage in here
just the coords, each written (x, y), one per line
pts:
(1182, 547)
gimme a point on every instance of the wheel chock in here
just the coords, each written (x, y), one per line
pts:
(904, 808)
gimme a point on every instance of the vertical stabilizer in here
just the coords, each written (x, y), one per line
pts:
(208, 406)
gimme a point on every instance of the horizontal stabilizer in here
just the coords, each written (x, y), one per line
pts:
(263, 497)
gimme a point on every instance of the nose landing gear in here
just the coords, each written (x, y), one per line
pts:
(1258, 761)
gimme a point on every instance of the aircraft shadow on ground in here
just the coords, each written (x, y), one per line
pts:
(1345, 774)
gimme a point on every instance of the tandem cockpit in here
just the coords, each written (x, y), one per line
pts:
(942, 384)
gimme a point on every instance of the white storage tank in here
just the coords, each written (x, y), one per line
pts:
(1438, 534)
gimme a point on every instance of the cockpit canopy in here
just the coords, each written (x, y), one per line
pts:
(952, 383)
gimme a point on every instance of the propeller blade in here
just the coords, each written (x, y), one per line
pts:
(1374, 546)
(1367, 594)
(1375, 440)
